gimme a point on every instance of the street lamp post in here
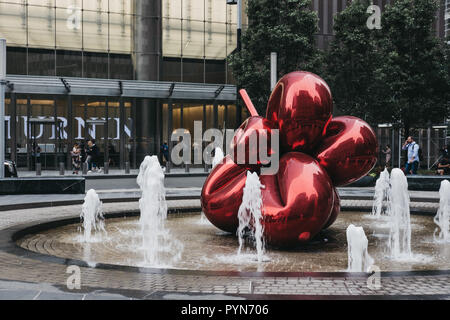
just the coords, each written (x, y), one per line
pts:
(239, 20)
(239, 24)
(2, 106)
(238, 48)
(273, 70)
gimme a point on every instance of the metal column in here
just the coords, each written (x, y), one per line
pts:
(28, 133)
(133, 132)
(106, 132)
(86, 130)
(215, 115)
(13, 122)
(225, 117)
(69, 130)
(181, 116)
(392, 148)
(122, 132)
(169, 133)
(2, 106)
(159, 122)
(57, 134)
(399, 148)
(428, 146)
(204, 129)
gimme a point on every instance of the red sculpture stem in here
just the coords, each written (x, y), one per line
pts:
(248, 103)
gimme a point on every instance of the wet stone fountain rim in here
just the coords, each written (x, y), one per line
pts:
(10, 236)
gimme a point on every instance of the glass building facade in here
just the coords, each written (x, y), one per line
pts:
(179, 41)
(111, 39)
(96, 38)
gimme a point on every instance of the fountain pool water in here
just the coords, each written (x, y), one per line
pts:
(155, 240)
(158, 245)
(359, 259)
(207, 248)
(442, 218)
(91, 217)
(250, 214)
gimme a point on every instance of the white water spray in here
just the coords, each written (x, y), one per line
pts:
(218, 157)
(359, 259)
(159, 246)
(381, 193)
(250, 215)
(399, 243)
(442, 218)
(203, 219)
(91, 216)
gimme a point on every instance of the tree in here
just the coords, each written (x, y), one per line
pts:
(413, 80)
(399, 74)
(351, 62)
(286, 27)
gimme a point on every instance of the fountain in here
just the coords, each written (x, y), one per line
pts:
(399, 243)
(91, 216)
(381, 194)
(442, 218)
(250, 215)
(157, 243)
(359, 259)
(218, 157)
(297, 209)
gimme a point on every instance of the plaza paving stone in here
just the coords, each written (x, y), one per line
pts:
(24, 277)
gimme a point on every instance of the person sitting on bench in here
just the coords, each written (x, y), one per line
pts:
(444, 166)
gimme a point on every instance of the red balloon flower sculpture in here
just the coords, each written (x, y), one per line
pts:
(318, 153)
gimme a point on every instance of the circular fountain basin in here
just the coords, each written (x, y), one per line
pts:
(207, 248)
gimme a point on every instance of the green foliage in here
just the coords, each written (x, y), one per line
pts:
(351, 62)
(286, 27)
(398, 74)
(413, 77)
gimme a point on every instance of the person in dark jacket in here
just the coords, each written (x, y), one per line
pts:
(93, 154)
(165, 151)
(35, 155)
(83, 151)
(76, 158)
(444, 166)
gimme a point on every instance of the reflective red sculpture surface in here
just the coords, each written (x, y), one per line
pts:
(348, 151)
(318, 153)
(246, 142)
(301, 104)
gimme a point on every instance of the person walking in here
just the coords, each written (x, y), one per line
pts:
(76, 158)
(412, 163)
(165, 151)
(387, 153)
(93, 154)
(83, 151)
(35, 155)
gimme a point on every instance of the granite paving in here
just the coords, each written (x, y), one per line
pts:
(22, 276)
